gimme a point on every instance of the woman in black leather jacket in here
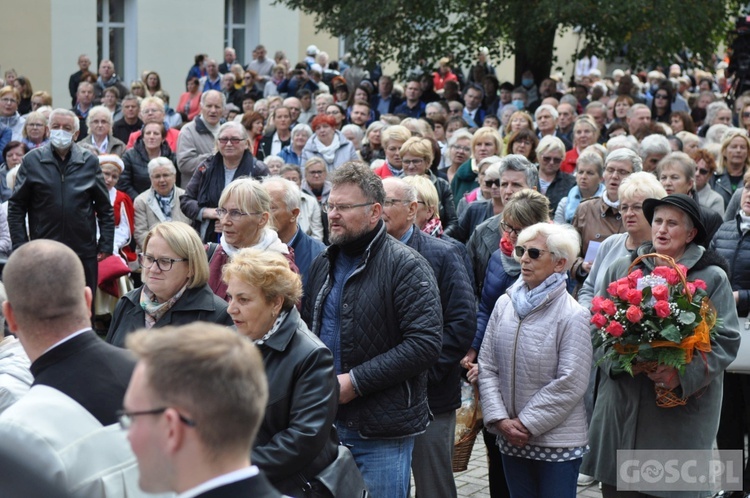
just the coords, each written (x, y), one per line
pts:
(297, 439)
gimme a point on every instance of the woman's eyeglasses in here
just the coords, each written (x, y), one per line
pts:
(164, 264)
(491, 183)
(509, 229)
(534, 253)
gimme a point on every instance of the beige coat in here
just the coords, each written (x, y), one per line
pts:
(148, 213)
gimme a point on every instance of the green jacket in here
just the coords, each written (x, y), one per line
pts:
(625, 412)
(464, 181)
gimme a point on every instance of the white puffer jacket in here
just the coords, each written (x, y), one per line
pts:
(537, 369)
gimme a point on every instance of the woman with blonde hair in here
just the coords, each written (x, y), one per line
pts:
(175, 287)
(245, 215)
(416, 157)
(297, 438)
(733, 163)
(392, 138)
(585, 133)
(486, 142)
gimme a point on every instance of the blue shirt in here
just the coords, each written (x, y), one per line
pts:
(330, 323)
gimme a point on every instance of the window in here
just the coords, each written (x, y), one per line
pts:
(234, 27)
(110, 31)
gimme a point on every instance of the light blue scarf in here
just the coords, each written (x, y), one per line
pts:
(574, 199)
(525, 300)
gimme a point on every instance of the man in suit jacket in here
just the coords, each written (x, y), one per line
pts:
(79, 380)
(192, 411)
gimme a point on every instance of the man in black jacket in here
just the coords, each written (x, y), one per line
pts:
(375, 303)
(433, 449)
(61, 188)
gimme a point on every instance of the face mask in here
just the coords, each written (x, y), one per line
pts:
(653, 89)
(518, 104)
(527, 82)
(60, 139)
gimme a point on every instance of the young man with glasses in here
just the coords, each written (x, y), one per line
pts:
(66, 424)
(192, 411)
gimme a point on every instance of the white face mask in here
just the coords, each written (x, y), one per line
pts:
(60, 139)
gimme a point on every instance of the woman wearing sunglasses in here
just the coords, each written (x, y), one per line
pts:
(704, 171)
(232, 160)
(537, 348)
(175, 287)
(552, 181)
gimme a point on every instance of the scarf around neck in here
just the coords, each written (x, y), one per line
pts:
(155, 310)
(9, 121)
(525, 300)
(165, 203)
(269, 241)
(327, 151)
(433, 227)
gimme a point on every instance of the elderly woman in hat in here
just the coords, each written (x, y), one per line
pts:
(626, 416)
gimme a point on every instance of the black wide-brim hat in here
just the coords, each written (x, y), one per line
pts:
(684, 203)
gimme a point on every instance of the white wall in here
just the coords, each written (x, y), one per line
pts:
(170, 34)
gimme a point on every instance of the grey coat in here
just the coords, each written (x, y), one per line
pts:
(625, 414)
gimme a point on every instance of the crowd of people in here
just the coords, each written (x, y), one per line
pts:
(307, 260)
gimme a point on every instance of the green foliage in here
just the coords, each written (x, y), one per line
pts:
(419, 32)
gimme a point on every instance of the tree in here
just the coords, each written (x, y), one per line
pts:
(419, 32)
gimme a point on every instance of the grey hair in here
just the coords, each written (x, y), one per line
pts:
(548, 108)
(713, 109)
(301, 128)
(327, 96)
(681, 161)
(458, 135)
(358, 133)
(435, 105)
(592, 158)
(623, 141)
(161, 162)
(292, 193)
(359, 174)
(643, 183)
(571, 101)
(715, 133)
(99, 110)
(551, 143)
(408, 191)
(64, 112)
(235, 126)
(636, 107)
(562, 241)
(205, 94)
(374, 126)
(517, 162)
(625, 155)
(654, 144)
(273, 159)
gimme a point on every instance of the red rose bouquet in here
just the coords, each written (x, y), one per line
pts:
(651, 320)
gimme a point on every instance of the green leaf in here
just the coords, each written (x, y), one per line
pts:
(671, 333)
(686, 317)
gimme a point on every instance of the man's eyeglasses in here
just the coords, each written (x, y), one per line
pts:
(232, 140)
(534, 253)
(233, 214)
(126, 418)
(393, 202)
(509, 229)
(553, 160)
(492, 183)
(343, 208)
(164, 264)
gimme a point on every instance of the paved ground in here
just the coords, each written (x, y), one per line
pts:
(473, 482)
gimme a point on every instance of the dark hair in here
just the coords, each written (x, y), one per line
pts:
(303, 92)
(163, 129)
(199, 58)
(618, 125)
(12, 145)
(665, 86)
(455, 119)
(528, 135)
(507, 86)
(687, 121)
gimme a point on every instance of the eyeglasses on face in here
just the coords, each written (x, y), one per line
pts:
(661, 96)
(509, 229)
(164, 264)
(534, 253)
(9, 101)
(314, 173)
(343, 208)
(461, 148)
(233, 214)
(393, 202)
(126, 418)
(492, 183)
(703, 171)
(409, 162)
(232, 140)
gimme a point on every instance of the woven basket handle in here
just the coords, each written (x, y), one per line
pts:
(671, 262)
